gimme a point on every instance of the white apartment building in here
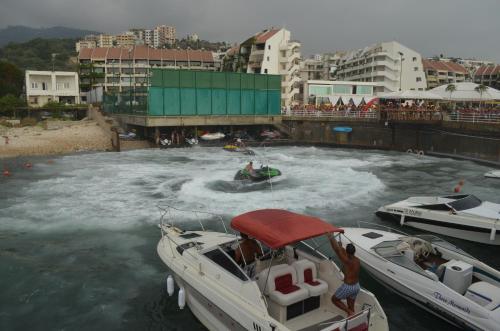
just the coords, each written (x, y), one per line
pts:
(57, 86)
(85, 44)
(391, 65)
(273, 52)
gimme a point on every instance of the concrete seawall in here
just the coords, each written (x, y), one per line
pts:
(465, 140)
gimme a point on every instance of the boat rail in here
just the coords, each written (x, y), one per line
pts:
(169, 208)
(343, 325)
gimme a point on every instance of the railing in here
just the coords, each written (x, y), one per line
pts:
(330, 114)
(472, 117)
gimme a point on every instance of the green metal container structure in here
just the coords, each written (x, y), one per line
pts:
(203, 93)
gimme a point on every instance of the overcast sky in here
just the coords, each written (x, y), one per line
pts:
(464, 28)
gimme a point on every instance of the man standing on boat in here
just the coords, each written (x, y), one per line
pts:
(350, 288)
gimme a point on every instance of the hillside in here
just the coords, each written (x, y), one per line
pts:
(21, 33)
(36, 54)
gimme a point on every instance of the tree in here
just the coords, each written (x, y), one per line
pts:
(481, 89)
(11, 79)
(451, 88)
(8, 104)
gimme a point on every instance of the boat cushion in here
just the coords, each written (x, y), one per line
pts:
(282, 285)
(306, 272)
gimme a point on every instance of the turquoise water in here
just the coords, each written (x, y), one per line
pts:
(78, 237)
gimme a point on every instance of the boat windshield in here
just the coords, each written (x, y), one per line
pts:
(468, 202)
(436, 241)
(390, 250)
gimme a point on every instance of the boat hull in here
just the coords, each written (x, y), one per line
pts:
(449, 229)
(416, 298)
(207, 312)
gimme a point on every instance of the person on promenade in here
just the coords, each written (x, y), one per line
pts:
(350, 288)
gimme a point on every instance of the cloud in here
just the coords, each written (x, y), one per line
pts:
(452, 27)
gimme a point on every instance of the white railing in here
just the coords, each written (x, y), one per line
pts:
(330, 114)
(473, 117)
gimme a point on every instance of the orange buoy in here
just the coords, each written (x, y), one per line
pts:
(28, 165)
(6, 173)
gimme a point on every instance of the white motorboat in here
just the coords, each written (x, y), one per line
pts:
(461, 216)
(433, 274)
(293, 282)
(212, 136)
(492, 174)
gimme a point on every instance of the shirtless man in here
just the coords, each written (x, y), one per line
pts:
(350, 289)
(249, 248)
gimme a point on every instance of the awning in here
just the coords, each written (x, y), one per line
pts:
(277, 228)
(357, 100)
(333, 99)
(412, 95)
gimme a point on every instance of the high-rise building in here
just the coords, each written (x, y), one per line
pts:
(270, 52)
(85, 44)
(391, 65)
(440, 73)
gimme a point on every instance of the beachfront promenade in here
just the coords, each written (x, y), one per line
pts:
(396, 115)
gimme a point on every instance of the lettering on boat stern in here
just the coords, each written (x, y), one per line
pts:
(450, 302)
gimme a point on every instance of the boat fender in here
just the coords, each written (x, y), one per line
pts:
(402, 221)
(181, 298)
(420, 152)
(409, 151)
(493, 233)
(170, 285)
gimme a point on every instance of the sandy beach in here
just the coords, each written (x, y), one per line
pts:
(62, 137)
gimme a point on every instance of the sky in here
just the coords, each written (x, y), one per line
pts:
(459, 28)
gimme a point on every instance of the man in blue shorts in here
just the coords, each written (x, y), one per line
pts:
(350, 289)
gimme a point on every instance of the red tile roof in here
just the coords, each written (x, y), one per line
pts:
(488, 70)
(444, 66)
(264, 36)
(145, 53)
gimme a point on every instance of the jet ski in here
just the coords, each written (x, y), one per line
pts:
(234, 148)
(259, 175)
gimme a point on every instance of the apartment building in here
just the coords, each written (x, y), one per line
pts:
(85, 44)
(104, 40)
(314, 69)
(51, 86)
(120, 69)
(488, 75)
(127, 39)
(165, 35)
(391, 65)
(270, 52)
(440, 73)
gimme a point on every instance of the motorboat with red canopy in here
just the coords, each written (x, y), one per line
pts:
(287, 286)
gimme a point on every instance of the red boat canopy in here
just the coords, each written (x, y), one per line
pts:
(277, 228)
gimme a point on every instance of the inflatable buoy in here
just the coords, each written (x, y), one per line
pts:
(409, 151)
(6, 173)
(50, 162)
(420, 153)
(28, 165)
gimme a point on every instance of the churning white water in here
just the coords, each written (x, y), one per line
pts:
(78, 237)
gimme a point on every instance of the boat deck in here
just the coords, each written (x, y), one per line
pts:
(318, 317)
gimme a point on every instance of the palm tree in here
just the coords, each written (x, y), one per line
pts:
(451, 88)
(481, 89)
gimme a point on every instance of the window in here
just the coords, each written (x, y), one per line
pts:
(268, 58)
(415, 69)
(419, 79)
(44, 86)
(66, 86)
(414, 59)
(34, 85)
(219, 257)
(363, 89)
(265, 71)
(268, 46)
